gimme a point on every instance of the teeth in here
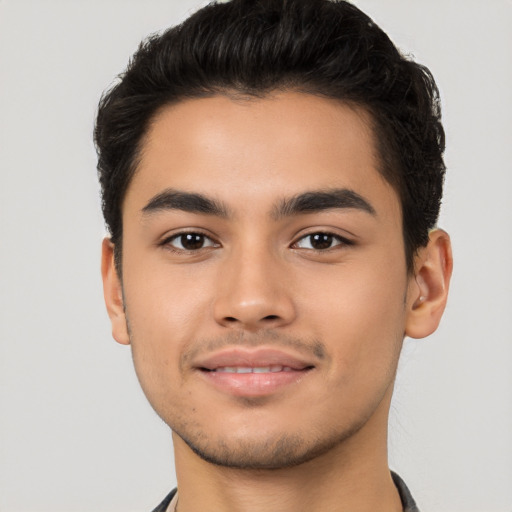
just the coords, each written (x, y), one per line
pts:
(258, 369)
(227, 369)
(262, 369)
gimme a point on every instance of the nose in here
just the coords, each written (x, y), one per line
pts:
(254, 292)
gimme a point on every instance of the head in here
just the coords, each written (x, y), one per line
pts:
(270, 173)
(252, 49)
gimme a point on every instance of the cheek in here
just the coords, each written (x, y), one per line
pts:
(165, 311)
(164, 300)
(359, 313)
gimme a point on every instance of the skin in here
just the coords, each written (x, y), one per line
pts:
(320, 441)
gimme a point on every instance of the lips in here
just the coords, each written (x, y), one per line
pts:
(259, 369)
(261, 358)
(252, 373)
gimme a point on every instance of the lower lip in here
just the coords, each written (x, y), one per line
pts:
(253, 384)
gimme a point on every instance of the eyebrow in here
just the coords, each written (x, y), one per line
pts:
(320, 200)
(171, 199)
(307, 202)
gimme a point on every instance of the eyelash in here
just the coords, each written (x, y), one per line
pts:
(167, 242)
(341, 241)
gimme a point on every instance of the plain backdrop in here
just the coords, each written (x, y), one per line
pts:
(76, 434)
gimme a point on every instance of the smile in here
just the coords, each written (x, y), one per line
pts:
(242, 372)
(258, 369)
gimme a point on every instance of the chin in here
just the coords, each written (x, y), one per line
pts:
(272, 452)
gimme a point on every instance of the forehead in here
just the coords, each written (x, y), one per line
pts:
(254, 151)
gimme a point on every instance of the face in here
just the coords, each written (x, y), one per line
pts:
(264, 280)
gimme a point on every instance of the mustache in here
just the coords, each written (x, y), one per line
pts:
(310, 348)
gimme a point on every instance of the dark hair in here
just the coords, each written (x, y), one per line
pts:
(253, 47)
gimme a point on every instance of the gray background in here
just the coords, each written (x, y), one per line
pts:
(76, 432)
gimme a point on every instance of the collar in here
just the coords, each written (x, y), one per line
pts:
(408, 502)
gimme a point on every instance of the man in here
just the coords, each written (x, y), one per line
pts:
(271, 175)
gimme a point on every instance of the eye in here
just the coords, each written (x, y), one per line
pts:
(189, 242)
(320, 241)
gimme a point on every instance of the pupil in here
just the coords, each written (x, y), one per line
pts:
(192, 241)
(321, 241)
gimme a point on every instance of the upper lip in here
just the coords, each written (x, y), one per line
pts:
(255, 358)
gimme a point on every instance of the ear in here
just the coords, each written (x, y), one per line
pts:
(428, 290)
(113, 293)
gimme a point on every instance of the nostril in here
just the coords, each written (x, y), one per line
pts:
(250, 321)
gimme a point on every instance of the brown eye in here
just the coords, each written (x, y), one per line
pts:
(190, 241)
(320, 241)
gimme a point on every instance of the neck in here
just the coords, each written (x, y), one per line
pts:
(353, 476)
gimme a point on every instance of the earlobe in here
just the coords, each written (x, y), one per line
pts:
(428, 291)
(113, 293)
